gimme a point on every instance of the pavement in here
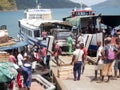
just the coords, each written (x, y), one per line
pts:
(85, 82)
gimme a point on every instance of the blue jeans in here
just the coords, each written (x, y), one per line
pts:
(77, 68)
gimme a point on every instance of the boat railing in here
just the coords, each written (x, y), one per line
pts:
(47, 85)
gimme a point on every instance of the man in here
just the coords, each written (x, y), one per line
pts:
(99, 64)
(20, 59)
(80, 39)
(27, 74)
(70, 42)
(43, 53)
(85, 57)
(57, 52)
(117, 59)
(109, 56)
(78, 57)
(12, 58)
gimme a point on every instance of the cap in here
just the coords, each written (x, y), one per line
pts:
(27, 65)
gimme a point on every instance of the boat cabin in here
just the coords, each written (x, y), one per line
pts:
(38, 14)
(84, 12)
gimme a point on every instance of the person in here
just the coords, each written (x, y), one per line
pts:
(57, 52)
(78, 57)
(43, 53)
(12, 58)
(80, 39)
(44, 35)
(85, 57)
(99, 64)
(70, 41)
(36, 58)
(117, 59)
(27, 74)
(109, 56)
(20, 59)
(19, 83)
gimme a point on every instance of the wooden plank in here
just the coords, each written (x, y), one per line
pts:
(88, 41)
(7, 43)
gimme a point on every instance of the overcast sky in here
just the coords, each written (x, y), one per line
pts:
(89, 2)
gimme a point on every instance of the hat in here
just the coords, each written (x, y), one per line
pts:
(108, 38)
(27, 65)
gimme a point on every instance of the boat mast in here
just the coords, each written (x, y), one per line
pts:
(38, 5)
(81, 4)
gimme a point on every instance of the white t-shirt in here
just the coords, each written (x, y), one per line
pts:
(20, 58)
(80, 39)
(78, 54)
(99, 54)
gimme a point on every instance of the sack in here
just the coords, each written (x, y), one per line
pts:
(111, 53)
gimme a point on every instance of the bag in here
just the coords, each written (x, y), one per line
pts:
(111, 53)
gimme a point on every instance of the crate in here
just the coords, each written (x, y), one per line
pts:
(4, 56)
(65, 72)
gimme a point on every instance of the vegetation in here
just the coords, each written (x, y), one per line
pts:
(7, 5)
(24, 4)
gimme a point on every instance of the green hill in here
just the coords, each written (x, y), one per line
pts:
(23, 4)
(7, 5)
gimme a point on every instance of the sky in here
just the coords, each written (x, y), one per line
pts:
(89, 2)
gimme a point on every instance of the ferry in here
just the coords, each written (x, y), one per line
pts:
(29, 27)
(37, 21)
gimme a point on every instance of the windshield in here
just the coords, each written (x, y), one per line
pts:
(36, 33)
(63, 35)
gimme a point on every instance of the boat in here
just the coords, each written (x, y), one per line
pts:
(37, 21)
(92, 25)
(29, 27)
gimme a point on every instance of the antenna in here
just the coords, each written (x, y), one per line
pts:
(36, 2)
(81, 4)
(38, 5)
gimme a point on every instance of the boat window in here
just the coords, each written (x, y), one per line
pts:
(36, 33)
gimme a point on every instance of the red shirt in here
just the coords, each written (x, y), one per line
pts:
(85, 51)
(44, 51)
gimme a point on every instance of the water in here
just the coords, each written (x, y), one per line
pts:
(11, 18)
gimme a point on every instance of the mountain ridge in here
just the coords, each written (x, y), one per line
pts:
(108, 3)
(24, 4)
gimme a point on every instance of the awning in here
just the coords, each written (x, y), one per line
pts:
(7, 72)
(111, 20)
(14, 46)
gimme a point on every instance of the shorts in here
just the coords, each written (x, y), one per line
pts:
(107, 69)
(99, 67)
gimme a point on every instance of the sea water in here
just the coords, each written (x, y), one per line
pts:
(10, 18)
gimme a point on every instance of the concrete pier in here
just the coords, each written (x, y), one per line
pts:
(85, 82)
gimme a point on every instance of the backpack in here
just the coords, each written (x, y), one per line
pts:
(111, 53)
